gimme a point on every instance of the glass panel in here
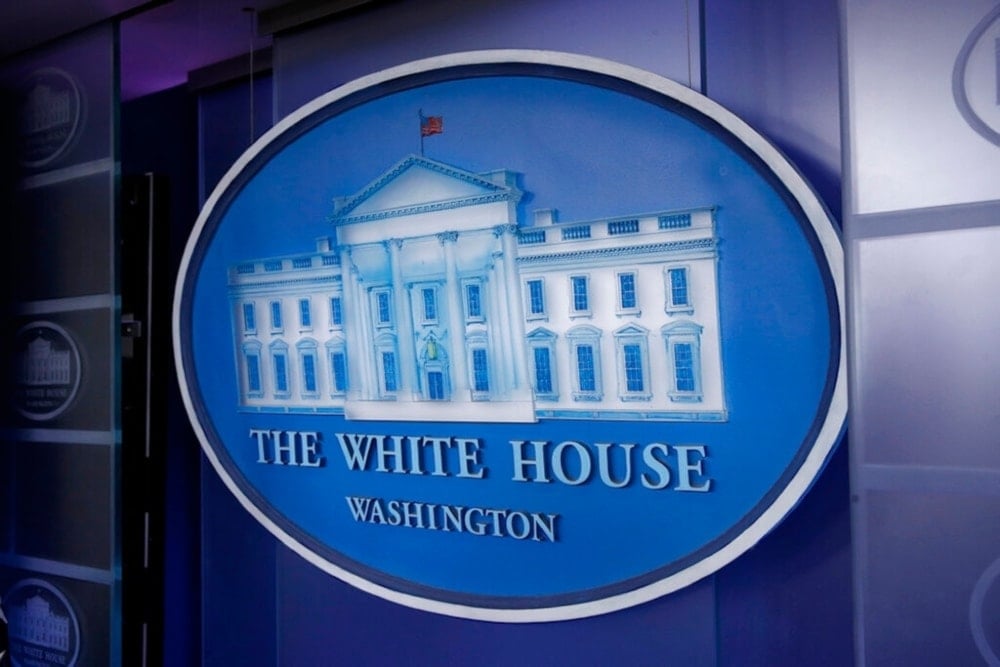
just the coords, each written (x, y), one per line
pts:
(62, 520)
(924, 445)
(929, 139)
(939, 343)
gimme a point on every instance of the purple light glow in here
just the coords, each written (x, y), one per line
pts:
(159, 47)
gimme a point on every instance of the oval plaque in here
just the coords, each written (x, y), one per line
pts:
(514, 335)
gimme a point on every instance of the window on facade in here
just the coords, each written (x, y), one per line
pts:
(249, 318)
(430, 304)
(306, 349)
(309, 373)
(389, 372)
(677, 289)
(536, 297)
(480, 371)
(585, 368)
(632, 342)
(543, 370)
(253, 373)
(338, 370)
(626, 291)
(683, 340)
(586, 355)
(305, 316)
(581, 300)
(336, 311)
(383, 309)
(542, 344)
(473, 301)
(435, 385)
(276, 315)
(280, 373)
(633, 368)
(252, 367)
(684, 367)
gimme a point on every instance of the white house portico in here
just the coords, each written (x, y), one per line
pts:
(435, 302)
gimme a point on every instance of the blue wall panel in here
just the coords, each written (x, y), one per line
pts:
(238, 555)
(238, 574)
(323, 621)
(788, 601)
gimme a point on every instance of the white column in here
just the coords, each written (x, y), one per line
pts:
(404, 324)
(499, 323)
(456, 323)
(507, 234)
(369, 368)
(352, 325)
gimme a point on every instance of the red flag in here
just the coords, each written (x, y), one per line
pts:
(431, 125)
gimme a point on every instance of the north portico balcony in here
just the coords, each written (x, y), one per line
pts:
(675, 225)
(324, 261)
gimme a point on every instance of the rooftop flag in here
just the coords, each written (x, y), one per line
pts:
(431, 125)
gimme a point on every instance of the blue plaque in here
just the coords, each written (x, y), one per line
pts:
(514, 335)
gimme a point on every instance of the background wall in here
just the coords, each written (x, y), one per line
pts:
(921, 217)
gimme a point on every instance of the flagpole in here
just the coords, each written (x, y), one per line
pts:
(420, 125)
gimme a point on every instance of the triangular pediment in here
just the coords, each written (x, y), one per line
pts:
(417, 183)
(541, 333)
(632, 330)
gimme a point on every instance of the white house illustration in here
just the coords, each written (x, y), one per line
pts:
(41, 365)
(35, 623)
(434, 302)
